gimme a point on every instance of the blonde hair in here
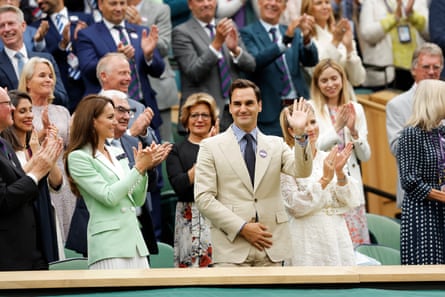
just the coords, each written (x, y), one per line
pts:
(306, 8)
(429, 104)
(317, 96)
(288, 138)
(195, 99)
(28, 71)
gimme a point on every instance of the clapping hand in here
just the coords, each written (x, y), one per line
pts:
(149, 42)
(342, 158)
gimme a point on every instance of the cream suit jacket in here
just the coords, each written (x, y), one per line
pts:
(224, 193)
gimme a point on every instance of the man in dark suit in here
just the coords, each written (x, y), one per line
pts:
(20, 242)
(200, 45)
(12, 37)
(279, 51)
(62, 32)
(138, 44)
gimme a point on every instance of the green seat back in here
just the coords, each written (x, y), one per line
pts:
(385, 230)
(383, 254)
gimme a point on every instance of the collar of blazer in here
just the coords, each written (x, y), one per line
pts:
(119, 172)
(230, 149)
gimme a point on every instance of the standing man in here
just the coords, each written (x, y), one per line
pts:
(113, 72)
(114, 34)
(279, 52)
(437, 25)
(241, 196)
(60, 38)
(427, 63)
(20, 242)
(148, 13)
(15, 54)
(210, 55)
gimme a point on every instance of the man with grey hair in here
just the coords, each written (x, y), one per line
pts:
(15, 54)
(427, 63)
(113, 73)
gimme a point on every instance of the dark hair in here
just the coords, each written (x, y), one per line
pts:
(10, 133)
(82, 130)
(244, 84)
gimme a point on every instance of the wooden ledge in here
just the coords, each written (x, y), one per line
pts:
(172, 277)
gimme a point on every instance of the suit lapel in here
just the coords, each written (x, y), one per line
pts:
(7, 67)
(263, 157)
(199, 31)
(232, 153)
(105, 36)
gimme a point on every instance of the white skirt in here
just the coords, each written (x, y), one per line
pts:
(137, 262)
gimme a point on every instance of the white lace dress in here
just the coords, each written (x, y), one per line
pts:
(318, 229)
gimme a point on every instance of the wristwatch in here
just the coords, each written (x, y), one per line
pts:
(301, 137)
(287, 40)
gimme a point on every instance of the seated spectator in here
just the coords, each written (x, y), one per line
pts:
(316, 205)
(342, 121)
(389, 33)
(192, 243)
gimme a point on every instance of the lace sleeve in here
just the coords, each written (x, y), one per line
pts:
(301, 196)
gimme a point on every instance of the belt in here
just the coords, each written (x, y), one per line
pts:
(287, 102)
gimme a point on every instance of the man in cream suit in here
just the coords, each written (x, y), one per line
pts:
(249, 224)
(427, 63)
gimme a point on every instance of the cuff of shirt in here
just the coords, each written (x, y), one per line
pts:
(33, 177)
(217, 53)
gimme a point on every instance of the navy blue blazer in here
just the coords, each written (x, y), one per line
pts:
(52, 38)
(20, 244)
(9, 79)
(96, 41)
(267, 73)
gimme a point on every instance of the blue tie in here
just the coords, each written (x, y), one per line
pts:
(59, 23)
(249, 156)
(20, 63)
(134, 90)
(223, 68)
(280, 61)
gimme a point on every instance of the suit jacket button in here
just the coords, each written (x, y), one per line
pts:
(256, 200)
(132, 209)
(123, 209)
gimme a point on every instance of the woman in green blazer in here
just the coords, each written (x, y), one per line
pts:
(112, 191)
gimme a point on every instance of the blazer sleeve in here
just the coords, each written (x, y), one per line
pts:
(14, 192)
(196, 66)
(394, 124)
(91, 181)
(177, 174)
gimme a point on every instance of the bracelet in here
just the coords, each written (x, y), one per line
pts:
(341, 180)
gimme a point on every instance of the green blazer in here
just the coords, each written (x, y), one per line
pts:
(111, 197)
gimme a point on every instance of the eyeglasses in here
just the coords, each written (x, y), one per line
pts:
(130, 111)
(7, 102)
(204, 116)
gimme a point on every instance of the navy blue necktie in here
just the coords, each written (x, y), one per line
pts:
(249, 156)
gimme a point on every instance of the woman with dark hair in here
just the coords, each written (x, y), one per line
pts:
(111, 190)
(192, 245)
(24, 141)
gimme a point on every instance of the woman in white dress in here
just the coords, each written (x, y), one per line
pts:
(342, 120)
(316, 205)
